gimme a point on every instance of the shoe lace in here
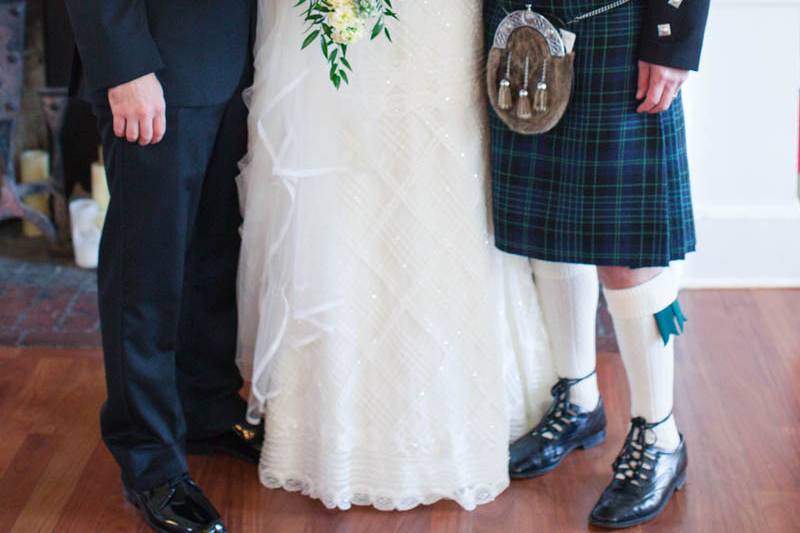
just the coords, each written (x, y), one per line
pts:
(562, 412)
(637, 459)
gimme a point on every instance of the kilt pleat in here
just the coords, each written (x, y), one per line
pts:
(606, 186)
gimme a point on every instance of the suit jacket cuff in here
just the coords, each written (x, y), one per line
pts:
(119, 60)
(670, 55)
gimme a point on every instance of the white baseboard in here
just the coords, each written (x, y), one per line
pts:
(736, 283)
(746, 247)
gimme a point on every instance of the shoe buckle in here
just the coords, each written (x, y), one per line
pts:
(245, 433)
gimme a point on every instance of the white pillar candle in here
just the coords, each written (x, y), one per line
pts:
(100, 191)
(85, 233)
(34, 166)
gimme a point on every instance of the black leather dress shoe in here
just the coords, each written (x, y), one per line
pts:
(243, 442)
(177, 507)
(564, 428)
(645, 478)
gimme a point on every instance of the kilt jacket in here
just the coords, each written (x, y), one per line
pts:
(672, 32)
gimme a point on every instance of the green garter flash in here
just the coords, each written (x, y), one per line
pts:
(671, 321)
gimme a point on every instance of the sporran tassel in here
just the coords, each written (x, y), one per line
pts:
(524, 103)
(540, 100)
(504, 95)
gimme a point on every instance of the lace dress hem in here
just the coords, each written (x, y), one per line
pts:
(468, 497)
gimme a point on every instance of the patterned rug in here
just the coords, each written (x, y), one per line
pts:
(46, 301)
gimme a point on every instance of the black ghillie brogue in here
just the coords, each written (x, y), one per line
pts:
(645, 478)
(564, 428)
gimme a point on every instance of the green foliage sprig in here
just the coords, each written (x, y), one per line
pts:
(337, 24)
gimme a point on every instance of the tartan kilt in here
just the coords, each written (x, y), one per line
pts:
(607, 186)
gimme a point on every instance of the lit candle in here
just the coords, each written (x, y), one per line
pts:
(100, 192)
(34, 166)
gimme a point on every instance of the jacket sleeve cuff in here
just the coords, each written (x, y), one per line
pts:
(120, 60)
(669, 55)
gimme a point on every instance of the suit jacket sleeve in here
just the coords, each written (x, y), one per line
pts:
(114, 41)
(673, 31)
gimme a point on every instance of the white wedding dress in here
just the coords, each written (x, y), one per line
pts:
(392, 350)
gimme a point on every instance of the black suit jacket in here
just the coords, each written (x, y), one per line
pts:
(673, 30)
(199, 49)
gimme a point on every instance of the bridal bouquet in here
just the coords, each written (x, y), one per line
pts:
(340, 23)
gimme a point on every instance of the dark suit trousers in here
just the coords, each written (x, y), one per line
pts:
(167, 287)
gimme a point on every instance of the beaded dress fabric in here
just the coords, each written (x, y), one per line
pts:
(393, 352)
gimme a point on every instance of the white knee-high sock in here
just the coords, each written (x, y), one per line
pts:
(649, 364)
(569, 294)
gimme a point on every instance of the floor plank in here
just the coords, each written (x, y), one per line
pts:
(737, 400)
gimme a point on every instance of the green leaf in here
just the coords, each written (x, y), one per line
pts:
(310, 39)
(324, 47)
(377, 29)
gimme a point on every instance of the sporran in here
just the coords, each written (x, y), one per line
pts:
(530, 69)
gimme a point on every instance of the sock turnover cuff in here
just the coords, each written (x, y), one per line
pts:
(552, 270)
(643, 300)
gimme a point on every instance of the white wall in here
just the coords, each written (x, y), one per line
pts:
(742, 113)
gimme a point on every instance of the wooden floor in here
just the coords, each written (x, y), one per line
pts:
(738, 401)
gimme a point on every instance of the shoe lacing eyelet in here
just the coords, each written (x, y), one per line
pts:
(561, 413)
(636, 457)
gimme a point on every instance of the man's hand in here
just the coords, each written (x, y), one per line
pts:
(139, 110)
(658, 86)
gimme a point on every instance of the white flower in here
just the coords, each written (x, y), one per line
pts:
(348, 19)
(367, 8)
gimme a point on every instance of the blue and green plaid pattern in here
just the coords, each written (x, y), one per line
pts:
(607, 186)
